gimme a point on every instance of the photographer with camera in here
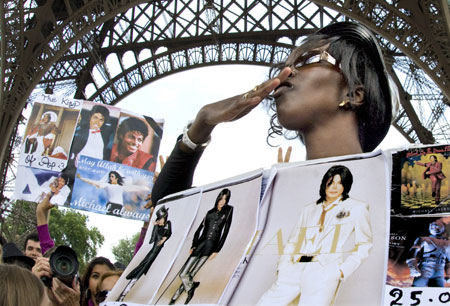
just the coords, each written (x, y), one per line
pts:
(58, 269)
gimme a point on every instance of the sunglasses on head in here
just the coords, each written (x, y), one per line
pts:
(314, 57)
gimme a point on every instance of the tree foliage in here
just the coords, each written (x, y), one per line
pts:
(66, 226)
(124, 249)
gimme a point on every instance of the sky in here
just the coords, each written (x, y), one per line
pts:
(237, 147)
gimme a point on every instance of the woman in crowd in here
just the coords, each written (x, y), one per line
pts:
(333, 91)
(105, 285)
(19, 287)
(94, 271)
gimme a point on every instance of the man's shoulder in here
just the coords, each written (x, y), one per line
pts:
(356, 204)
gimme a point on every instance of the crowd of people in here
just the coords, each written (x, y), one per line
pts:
(333, 91)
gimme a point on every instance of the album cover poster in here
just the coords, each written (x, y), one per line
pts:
(49, 131)
(33, 184)
(110, 188)
(326, 234)
(420, 183)
(418, 264)
(168, 228)
(215, 245)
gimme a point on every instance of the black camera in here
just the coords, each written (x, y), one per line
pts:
(64, 265)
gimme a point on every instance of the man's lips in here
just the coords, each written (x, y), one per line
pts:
(281, 88)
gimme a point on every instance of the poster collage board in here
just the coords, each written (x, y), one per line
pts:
(88, 156)
(306, 233)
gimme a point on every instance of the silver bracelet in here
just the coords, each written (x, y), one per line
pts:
(188, 142)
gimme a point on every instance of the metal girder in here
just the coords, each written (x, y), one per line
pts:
(60, 45)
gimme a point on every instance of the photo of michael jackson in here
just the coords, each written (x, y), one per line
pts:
(208, 240)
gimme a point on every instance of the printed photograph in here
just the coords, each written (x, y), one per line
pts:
(94, 134)
(168, 228)
(137, 142)
(112, 189)
(420, 181)
(326, 232)
(48, 136)
(35, 184)
(419, 252)
(216, 243)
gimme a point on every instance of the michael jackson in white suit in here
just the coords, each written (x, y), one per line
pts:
(329, 242)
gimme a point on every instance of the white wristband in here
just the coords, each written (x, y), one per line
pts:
(188, 142)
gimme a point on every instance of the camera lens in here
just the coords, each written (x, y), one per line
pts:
(64, 265)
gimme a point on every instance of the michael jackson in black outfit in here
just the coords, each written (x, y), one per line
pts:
(208, 241)
(162, 230)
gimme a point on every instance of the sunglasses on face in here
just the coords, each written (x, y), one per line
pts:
(101, 296)
(314, 57)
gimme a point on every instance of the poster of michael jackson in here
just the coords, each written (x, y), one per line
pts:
(111, 188)
(168, 227)
(39, 183)
(215, 245)
(63, 134)
(48, 134)
(419, 256)
(420, 181)
(325, 238)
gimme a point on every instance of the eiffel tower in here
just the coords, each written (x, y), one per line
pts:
(54, 46)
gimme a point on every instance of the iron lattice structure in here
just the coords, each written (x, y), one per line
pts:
(72, 47)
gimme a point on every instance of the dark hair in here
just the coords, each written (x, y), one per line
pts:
(346, 181)
(65, 177)
(33, 236)
(225, 192)
(359, 66)
(85, 120)
(85, 293)
(132, 124)
(435, 157)
(2, 241)
(117, 175)
(101, 110)
(48, 116)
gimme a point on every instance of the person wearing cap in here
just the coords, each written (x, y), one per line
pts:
(333, 92)
(162, 230)
(13, 255)
(330, 240)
